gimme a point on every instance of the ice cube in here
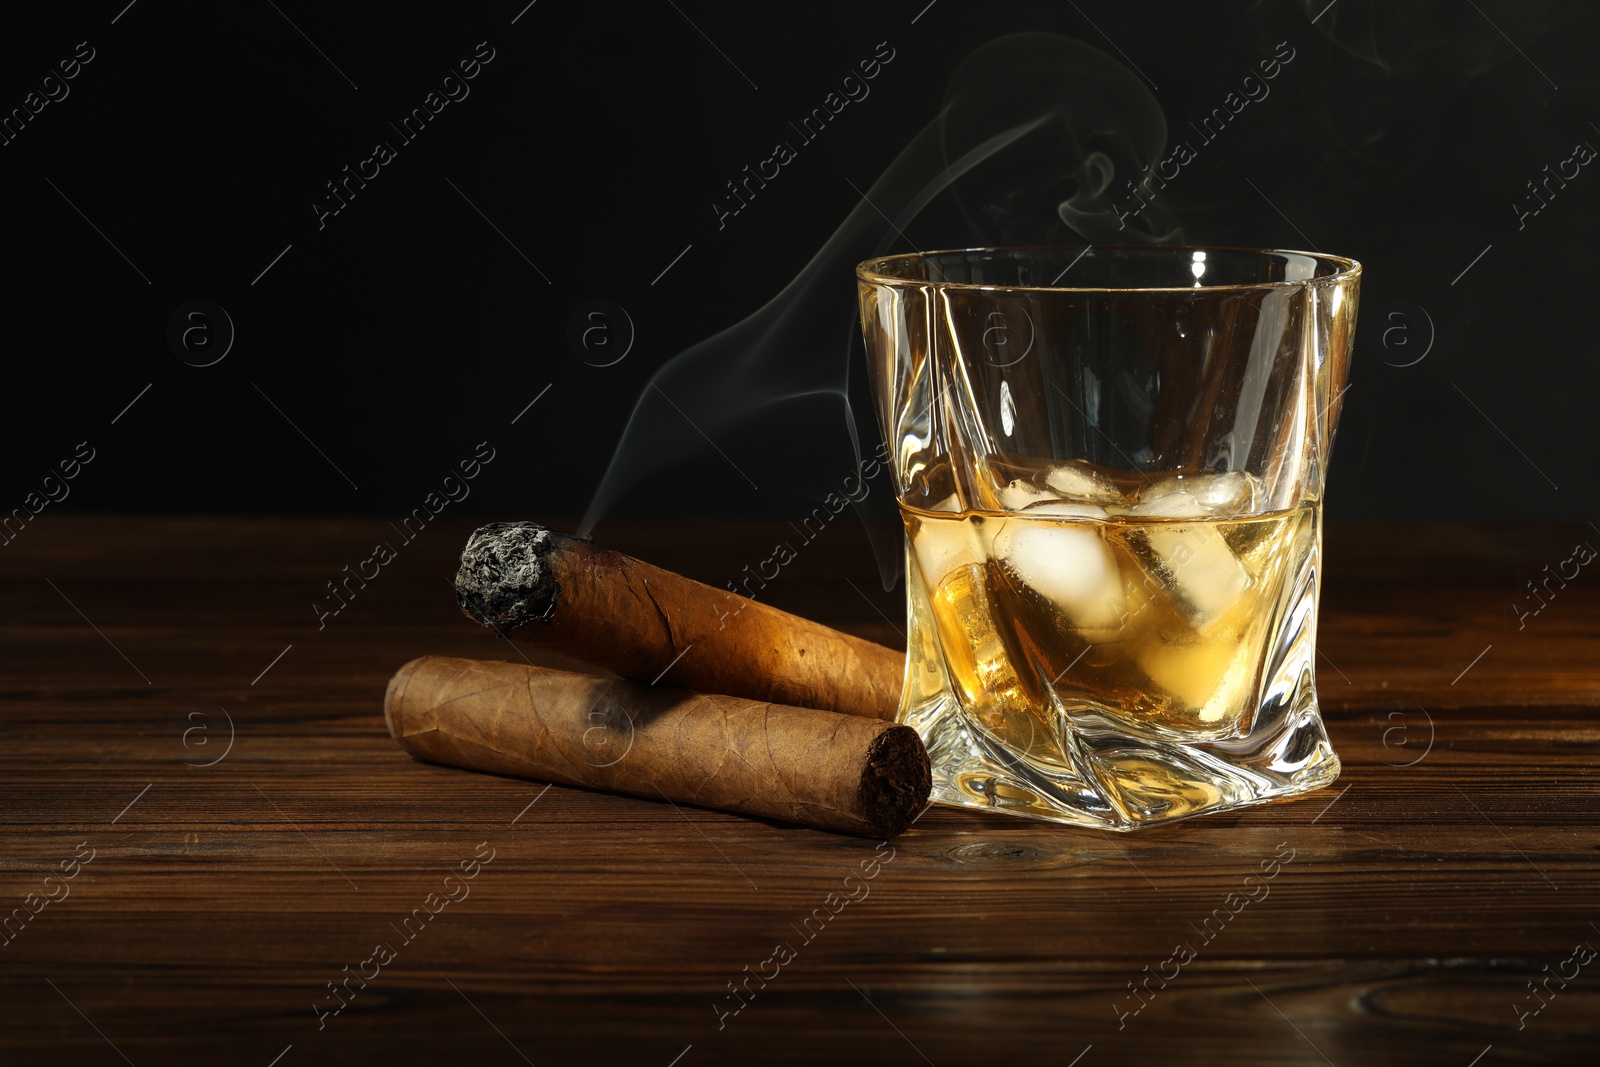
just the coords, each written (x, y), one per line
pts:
(1077, 481)
(1175, 503)
(975, 656)
(1196, 565)
(1072, 567)
(1192, 496)
(944, 545)
(1020, 493)
(1207, 677)
(949, 503)
(1229, 493)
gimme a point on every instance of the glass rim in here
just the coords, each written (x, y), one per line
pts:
(871, 270)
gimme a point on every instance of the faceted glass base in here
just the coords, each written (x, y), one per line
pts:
(1122, 784)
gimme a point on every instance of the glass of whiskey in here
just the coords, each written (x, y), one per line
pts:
(1110, 465)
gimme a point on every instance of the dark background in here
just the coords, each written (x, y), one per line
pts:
(408, 329)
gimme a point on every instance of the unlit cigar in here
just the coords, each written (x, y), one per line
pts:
(544, 588)
(836, 772)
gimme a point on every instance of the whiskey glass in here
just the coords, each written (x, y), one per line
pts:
(1110, 465)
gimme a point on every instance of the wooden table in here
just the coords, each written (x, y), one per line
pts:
(1454, 863)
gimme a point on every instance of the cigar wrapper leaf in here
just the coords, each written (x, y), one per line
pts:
(850, 774)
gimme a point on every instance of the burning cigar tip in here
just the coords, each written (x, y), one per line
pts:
(505, 581)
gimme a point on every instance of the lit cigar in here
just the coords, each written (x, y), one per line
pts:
(835, 772)
(539, 587)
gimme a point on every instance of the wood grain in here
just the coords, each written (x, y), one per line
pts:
(1454, 860)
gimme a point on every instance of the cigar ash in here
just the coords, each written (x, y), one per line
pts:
(504, 581)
